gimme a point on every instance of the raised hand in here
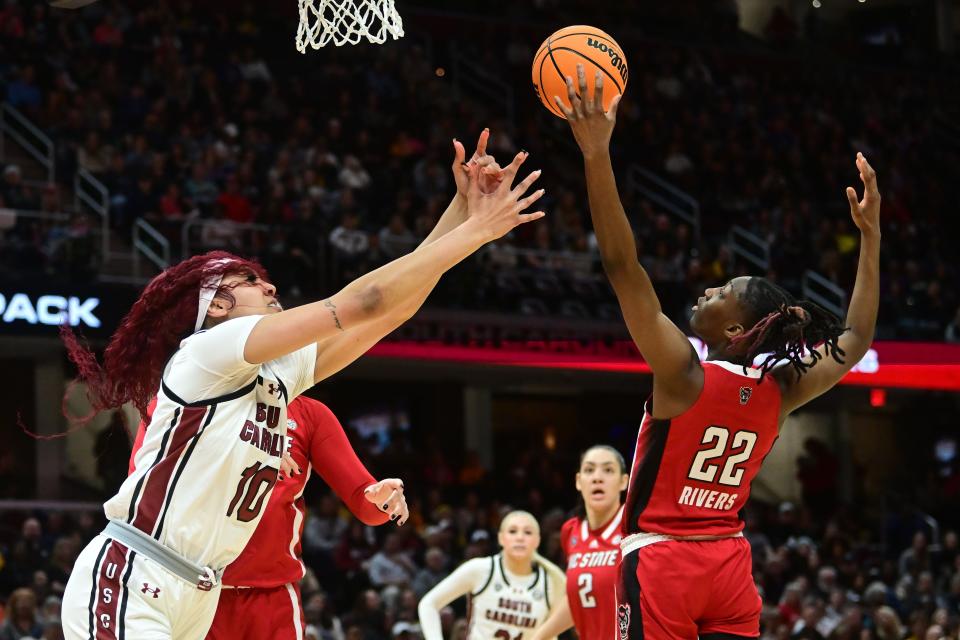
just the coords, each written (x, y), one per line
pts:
(497, 213)
(866, 212)
(491, 175)
(592, 127)
(388, 496)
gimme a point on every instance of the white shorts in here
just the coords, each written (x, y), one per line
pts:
(114, 593)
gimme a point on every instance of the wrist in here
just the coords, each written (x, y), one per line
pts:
(474, 232)
(870, 235)
(596, 155)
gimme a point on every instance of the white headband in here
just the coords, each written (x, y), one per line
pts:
(208, 291)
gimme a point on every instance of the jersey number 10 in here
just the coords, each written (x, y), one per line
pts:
(249, 500)
(738, 452)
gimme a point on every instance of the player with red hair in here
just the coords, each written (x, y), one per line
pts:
(210, 340)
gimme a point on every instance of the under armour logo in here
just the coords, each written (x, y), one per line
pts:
(623, 621)
(272, 388)
(148, 589)
(745, 393)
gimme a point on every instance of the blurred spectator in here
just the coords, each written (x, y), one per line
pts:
(21, 616)
(430, 575)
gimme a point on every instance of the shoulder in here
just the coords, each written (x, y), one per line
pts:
(308, 407)
(567, 530)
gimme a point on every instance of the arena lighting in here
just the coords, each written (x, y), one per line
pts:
(907, 365)
(816, 4)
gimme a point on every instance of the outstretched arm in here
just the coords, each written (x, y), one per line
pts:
(375, 295)
(336, 352)
(671, 357)
(861, 314)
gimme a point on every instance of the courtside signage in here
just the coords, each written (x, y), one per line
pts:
(49, 309)
(909, 365)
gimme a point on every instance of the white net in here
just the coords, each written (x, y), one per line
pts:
(341, 22)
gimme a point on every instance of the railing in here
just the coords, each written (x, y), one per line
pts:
(666, 196)
(90, 194)
(158, 255)
(188, 246)
(467, 76)
(34, 141)
(749, 246)
(824, 292)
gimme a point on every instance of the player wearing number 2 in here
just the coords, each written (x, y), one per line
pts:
(208, 338)
(591, 545)
(686, 569)
(510, 594)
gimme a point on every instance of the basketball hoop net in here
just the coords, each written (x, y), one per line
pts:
(346, 22)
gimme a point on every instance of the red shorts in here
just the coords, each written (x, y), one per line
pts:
(682, 590)
(255, 613)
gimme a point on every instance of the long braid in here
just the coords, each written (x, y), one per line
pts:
(786, 329)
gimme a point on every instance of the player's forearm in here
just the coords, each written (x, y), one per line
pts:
(398, 284)
(429, 614)
(618, 249)
(338, 465)
(865, 299)
(453, 216)
(559, 620)
(610, 223)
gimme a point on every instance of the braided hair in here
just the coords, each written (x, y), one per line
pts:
(785, 328)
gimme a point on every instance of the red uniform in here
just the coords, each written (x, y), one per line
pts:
(593, 559)
(690, 477)
(261, 594)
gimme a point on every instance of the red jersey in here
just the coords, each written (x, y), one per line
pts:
(691, 474)
(593, 560)
(315, 440)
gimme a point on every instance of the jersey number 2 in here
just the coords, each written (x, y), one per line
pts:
(503, 634)
(739, 451)
(248, 500)
(585, 582)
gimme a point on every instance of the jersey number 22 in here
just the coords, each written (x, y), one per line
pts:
(739, 452)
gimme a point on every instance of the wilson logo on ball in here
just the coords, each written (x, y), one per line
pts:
(616, 60)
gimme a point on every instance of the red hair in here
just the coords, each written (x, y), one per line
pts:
(163, 315)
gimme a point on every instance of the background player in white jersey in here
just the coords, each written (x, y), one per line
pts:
(511, 593)
(591, 545)
(204, 475)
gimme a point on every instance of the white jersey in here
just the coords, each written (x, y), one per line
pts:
(502, 605)
(212, 451)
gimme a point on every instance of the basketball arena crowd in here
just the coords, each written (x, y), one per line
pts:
(210, 128)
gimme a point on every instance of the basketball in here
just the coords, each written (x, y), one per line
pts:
(559, 56)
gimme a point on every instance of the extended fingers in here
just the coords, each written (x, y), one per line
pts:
(567, 112)
(867, 174)
(459, 154)
(572, 95)
(482, 143)
(511, 170)
(523, 203)
(598, 92)
(582, 85)
(852, 199)
(526, 183)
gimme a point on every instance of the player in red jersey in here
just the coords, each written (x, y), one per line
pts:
(591, 545)
(265, 577)
(686, 569)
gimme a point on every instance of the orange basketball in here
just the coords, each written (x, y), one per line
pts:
(559, 56)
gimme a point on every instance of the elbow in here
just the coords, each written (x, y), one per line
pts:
(370, 302)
